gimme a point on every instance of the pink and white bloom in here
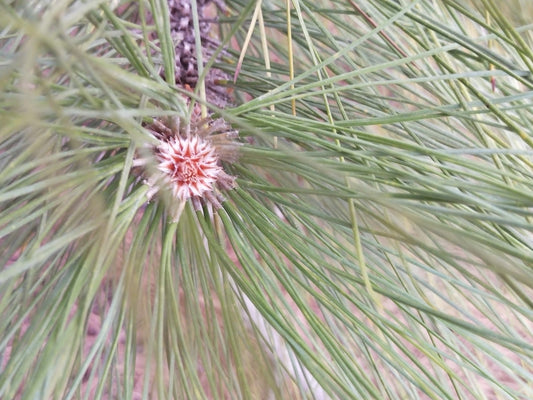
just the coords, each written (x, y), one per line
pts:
(190, 166)
(187, 162)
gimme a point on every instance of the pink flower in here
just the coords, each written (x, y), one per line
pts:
(188, 162)
(190, 166)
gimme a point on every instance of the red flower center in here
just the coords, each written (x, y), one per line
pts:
(190, 164)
